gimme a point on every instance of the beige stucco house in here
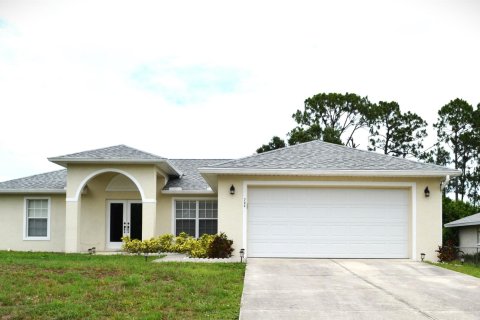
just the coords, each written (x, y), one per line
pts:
(313, 200)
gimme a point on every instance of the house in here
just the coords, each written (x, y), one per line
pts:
(312, 200)
(468, 233)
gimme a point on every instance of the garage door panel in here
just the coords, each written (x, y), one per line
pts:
(314, 222)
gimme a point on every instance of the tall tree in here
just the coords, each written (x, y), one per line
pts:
(474, 175)
(333, 117)
(275, 143)
(454, 128)
(396, 133)
(439, 155)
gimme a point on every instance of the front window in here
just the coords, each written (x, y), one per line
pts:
(36, 220)
(196, 217)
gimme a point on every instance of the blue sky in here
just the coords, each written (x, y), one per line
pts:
(213, 79)
(186, 84)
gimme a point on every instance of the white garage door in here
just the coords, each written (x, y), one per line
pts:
(327, 223)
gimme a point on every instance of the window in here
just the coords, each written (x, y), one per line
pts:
(196, 217)
(37, 217)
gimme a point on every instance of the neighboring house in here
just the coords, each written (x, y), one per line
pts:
(468, 232)
(313, 200)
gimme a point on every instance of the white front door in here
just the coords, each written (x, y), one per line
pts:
(124, 218)
(328, 223)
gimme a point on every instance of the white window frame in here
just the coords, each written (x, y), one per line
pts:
(25, 219)
(197, 213)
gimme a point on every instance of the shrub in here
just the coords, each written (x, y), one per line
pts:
(131, 246)
(221, 247)
(200, 247)
(448, 252)
(207, 246)
(166, 242)
(182, 243)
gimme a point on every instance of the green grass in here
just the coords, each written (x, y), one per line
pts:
(76, 286)
(466, 268)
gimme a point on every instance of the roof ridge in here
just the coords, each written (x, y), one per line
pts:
(383, 154)
(334, 145)
(152, 154)
(72, 155)
(267, 152)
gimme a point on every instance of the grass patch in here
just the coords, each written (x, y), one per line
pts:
(466, 268)
(77, 286)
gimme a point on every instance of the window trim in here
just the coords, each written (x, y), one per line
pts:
(25, 219)
(197, 216)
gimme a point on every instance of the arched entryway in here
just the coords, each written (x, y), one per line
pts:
(107, 204)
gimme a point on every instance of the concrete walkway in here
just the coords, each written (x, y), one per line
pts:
(356, 289)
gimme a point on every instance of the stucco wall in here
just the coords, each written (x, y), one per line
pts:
(428, 210)
(12, 212)
(92, 230)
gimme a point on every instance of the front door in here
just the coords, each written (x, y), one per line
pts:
(124, 218)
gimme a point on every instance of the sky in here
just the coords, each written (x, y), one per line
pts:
(215, 79)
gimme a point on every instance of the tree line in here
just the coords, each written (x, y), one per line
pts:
(340, 118)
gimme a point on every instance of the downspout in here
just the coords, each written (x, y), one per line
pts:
(445, 182)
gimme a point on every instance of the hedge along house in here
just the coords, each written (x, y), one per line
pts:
(312, 200)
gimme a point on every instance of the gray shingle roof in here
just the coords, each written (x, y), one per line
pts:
(191, 180)
(120, 152)
(472, 220)
(319, 155)
(56, 180)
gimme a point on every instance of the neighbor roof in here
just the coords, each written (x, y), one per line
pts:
(318, 157)
(50, 182)
(116, 154)
(472, 220)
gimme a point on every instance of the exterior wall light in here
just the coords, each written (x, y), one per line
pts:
(427, 192)
(422, 256)
(242, 255)
(232, 190)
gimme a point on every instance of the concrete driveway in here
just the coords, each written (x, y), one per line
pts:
(356, 289)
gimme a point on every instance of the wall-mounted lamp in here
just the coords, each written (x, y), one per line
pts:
(232, 189)
(422, 256)
(427, 192)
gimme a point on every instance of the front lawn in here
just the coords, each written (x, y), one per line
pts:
(76, 286)
(466, 268)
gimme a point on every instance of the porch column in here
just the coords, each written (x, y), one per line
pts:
(149, 219)
(72, 224)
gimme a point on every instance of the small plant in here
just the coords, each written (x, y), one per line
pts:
(448, 252)
(221, 247)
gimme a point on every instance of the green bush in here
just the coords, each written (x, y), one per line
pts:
(200, 247)
(207, 246)
(453, 210)
(131, 245)
(166, 242)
